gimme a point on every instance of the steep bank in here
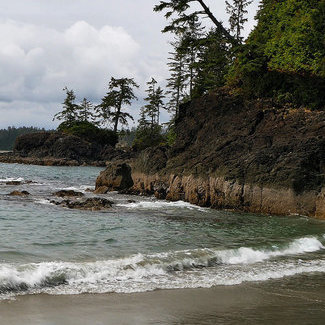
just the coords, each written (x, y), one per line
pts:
(234, 154)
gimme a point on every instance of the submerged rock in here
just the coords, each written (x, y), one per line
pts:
(70, 193)
(19, 193)
(116, 177)
(15, 183)
(93, 204)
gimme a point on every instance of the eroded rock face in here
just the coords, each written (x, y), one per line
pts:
(116, 177)
(68, 193)
(234, 154)
(92, 204)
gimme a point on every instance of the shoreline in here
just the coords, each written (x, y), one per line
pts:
(252, 303)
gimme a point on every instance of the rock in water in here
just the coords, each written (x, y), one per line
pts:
(92, 204)
(70, 193)
(18, 193)
(116, 177)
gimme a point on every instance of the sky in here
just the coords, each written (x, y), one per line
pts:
(46, 45)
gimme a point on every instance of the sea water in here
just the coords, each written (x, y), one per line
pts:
(140, 244)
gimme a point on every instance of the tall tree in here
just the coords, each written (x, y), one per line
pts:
(181, 8)
(85, 109)
(213, 62)
(120, 94)
(69, 114)
(189, 45)
(176, 83)
(155, 102)
(237, 11)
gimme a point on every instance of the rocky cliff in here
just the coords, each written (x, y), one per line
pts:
(243, 155)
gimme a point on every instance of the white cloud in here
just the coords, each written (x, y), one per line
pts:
(46, 45)
(36, 63)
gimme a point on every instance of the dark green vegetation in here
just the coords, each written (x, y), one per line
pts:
(284, 57)
(9, 135)
(90, 132)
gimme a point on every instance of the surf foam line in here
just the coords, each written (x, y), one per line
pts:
(174, 269)
(11, 179)
(161, 204)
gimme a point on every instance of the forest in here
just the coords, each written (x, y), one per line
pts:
(8, 136)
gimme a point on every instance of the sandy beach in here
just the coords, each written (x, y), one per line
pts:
(244, 304)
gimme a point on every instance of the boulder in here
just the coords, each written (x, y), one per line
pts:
(19, 193)
(70, 193)
(92, 204)
(116, 177)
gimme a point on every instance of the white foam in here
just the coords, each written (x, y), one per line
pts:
(43, 201)
(81, 188)
(11, 179)
(152, 205)
(248, 255)
(174, 269)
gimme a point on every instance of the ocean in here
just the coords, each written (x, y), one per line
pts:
(141, 244)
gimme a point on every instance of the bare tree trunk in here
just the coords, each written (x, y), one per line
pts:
(216, 22)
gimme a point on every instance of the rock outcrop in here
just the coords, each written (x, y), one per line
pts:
(92, 204)
(116, 177)
(19, 193)
(61, 149)
(68, 193)
(234, 154)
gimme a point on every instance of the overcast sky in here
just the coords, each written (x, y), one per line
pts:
(48, 44)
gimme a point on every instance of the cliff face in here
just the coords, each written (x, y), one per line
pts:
(248, 156)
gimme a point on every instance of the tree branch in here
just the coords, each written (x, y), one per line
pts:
(207, 11)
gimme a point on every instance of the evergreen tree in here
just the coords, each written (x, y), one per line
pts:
(120, 93)
(237, 11)
(69, 114)
(85, 109)
(184, 15)
(155, 102)
(176, 83)
(190, 47)
(213, 62)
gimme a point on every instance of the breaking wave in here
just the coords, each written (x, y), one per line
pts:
(169, 270)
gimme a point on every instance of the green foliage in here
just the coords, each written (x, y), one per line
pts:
(146, 137)
(284, 55)
(90, 132)
(181, 13)
(8, 136)
(154, 101)
(70, 109)
(213, 62)
(237, 11)
(171, 136)
(120, 93)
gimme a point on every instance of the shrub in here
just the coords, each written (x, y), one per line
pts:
(89, 132)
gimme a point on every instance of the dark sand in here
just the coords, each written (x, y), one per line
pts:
(289, 302)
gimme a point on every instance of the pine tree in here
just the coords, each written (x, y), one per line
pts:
(85, 109)
(237, 19)
(190, 47)
(155, 102)
(182, 10)
(120, 93)
(69, 114)
(213, 63)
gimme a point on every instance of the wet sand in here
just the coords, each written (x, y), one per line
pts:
(292, 302)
